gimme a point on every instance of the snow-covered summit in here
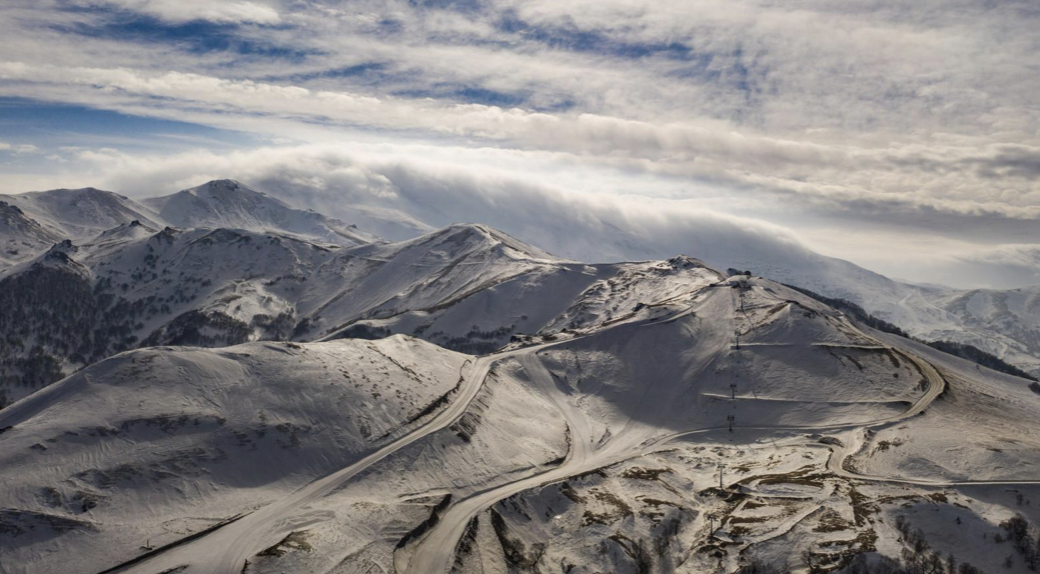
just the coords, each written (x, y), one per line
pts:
(228, 203)
(79, 213)
(20, 236)
(464, 240)
(121, 234)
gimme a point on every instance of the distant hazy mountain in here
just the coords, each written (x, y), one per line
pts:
(229, 204)
(83, 213)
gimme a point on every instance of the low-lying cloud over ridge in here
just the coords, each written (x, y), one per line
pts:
(400, 196)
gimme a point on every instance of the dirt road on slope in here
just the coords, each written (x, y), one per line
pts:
(226, 550)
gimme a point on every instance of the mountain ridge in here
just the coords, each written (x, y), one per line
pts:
(227, 203)
(925, 312)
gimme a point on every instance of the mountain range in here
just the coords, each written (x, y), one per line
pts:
(215, 381)
(1005, 323)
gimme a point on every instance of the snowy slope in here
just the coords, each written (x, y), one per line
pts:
(918, 310)
(466, 287)
(228, 203)
(583, 432)
(926, 312)
(132, 286)
(80, 213)
(21, 237)
(154, 443)
(590, 449)
(46, 217)
(1003, 323)
(574, 234)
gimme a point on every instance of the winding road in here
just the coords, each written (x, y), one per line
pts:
(225, 550)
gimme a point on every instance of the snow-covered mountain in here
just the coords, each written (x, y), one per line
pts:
(466, 287)
(21, 237)
(1005, 323)
(1009, 332)
(668, 419)
(77, 304)
(578, 231)
(44, 218)
(79, 213)
(229, 204)
(262, 396)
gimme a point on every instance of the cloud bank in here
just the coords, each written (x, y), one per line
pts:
(397, 194)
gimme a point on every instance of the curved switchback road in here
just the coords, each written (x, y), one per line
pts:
(224, 551)
(435, 553)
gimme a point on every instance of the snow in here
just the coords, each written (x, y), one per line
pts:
(228, 203)
(583, 430)
(1004, 323)
(161, 436)
(21, 237)
(80, 213)
(587, 450)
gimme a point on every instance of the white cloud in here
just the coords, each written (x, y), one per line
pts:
(340, 180)
(18, 149)
(230, 11)
(943, 176)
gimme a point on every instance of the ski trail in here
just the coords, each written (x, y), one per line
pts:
(435, 552)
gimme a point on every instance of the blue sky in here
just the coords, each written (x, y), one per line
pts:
(52, 125)
(850, 126)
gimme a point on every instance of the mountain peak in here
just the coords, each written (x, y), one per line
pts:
(61, 251)
(473, 237)
(133, 230)
(79, 213)
(219, 187)
(11, 209)
(686, 262)
(231, 204)
(63, 246)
